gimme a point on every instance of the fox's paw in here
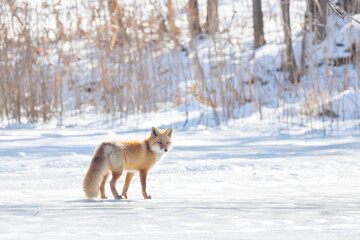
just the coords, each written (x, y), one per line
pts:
(104, 197)
(147, 196)
(124, 195)
(118, 197)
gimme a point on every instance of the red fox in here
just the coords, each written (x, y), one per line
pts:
(117, 156)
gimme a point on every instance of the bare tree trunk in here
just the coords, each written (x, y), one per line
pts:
(259, 39)
(212, 17)
(320, 20)
(307, 24)
(171, 19)
(194, 22)
(119, 36)
(203, 80)
(289, 64)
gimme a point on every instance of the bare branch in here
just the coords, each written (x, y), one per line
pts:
(341, 13)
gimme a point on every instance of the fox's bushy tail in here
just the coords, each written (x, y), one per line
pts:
(97, 169)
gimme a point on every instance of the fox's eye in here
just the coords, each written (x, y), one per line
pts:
(167, 142)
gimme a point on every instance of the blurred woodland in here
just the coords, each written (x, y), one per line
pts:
(129, 57)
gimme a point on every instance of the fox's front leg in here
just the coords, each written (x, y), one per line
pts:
(143, 175)
(128, 179)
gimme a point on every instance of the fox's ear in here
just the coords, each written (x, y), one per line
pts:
(154, 132)
(169, 131)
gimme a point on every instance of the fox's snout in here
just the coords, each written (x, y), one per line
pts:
(164, 148)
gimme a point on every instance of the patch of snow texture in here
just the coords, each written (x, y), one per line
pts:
(257, 182)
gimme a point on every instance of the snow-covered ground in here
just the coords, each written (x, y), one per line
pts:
(256, 182)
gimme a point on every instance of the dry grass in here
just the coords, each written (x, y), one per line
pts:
(121, 61)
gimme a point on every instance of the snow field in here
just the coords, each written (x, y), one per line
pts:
(215, 184)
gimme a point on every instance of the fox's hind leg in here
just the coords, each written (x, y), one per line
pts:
(102, 186)
(117, 163)
(115, 177)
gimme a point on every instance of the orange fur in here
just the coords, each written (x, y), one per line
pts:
(117, 156)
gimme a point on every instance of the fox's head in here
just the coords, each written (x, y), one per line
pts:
(160, 140)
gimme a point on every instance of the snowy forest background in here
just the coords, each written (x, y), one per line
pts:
(196, 62)
(263, 96)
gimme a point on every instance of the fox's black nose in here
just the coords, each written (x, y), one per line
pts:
(165, 149)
